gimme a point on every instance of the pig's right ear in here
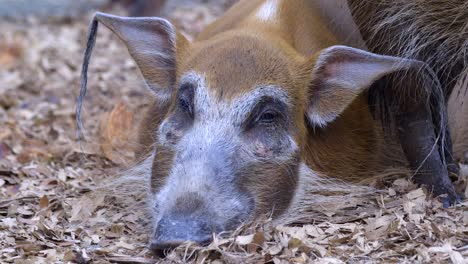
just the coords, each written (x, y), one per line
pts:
(341, 73)
(151, 41)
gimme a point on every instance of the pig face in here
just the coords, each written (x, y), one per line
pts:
(218, 164)
(227, 150)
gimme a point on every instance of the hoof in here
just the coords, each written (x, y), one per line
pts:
(450, 199)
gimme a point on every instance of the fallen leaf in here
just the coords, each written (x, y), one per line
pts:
(244, 240)
(122, 244)
(294, 243)
(43, 202)
(10, 53)
(116, 130)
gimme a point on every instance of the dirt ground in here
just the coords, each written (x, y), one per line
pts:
(64, 201)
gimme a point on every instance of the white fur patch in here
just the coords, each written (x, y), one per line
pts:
(268, 10)
(318, 120)
(208, 108)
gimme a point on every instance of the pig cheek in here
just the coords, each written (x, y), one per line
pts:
(281, 177)
(161, 167)
(273, 147)
(261, 150)
(278, 193)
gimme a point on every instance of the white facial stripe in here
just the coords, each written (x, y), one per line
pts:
(244, 104)
(203, 101)
(268, 10)
(234, 112)
(318, 120)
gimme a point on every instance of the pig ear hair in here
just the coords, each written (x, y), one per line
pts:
(342, 73)
(151, 41)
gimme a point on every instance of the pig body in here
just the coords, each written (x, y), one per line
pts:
(265, 101)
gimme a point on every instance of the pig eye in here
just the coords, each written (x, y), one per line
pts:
(185, 105)
(185, 99)
(267, 112)
(268, 117)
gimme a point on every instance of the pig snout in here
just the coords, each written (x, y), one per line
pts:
(175, 230)
(186, 221)
(194, 217)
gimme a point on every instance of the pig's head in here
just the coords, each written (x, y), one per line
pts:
(238, 112)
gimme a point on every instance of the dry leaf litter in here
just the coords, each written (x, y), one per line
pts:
(55, 204)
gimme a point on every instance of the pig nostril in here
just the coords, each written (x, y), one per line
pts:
(161, 248)
(159, 252)
(172, 231)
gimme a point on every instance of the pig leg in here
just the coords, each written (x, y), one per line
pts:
(416, 132)
(452, 166)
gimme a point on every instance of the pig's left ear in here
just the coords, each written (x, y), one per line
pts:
(152, 42)
(340, 74)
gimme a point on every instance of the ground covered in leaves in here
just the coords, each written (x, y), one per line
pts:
(54, 201)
